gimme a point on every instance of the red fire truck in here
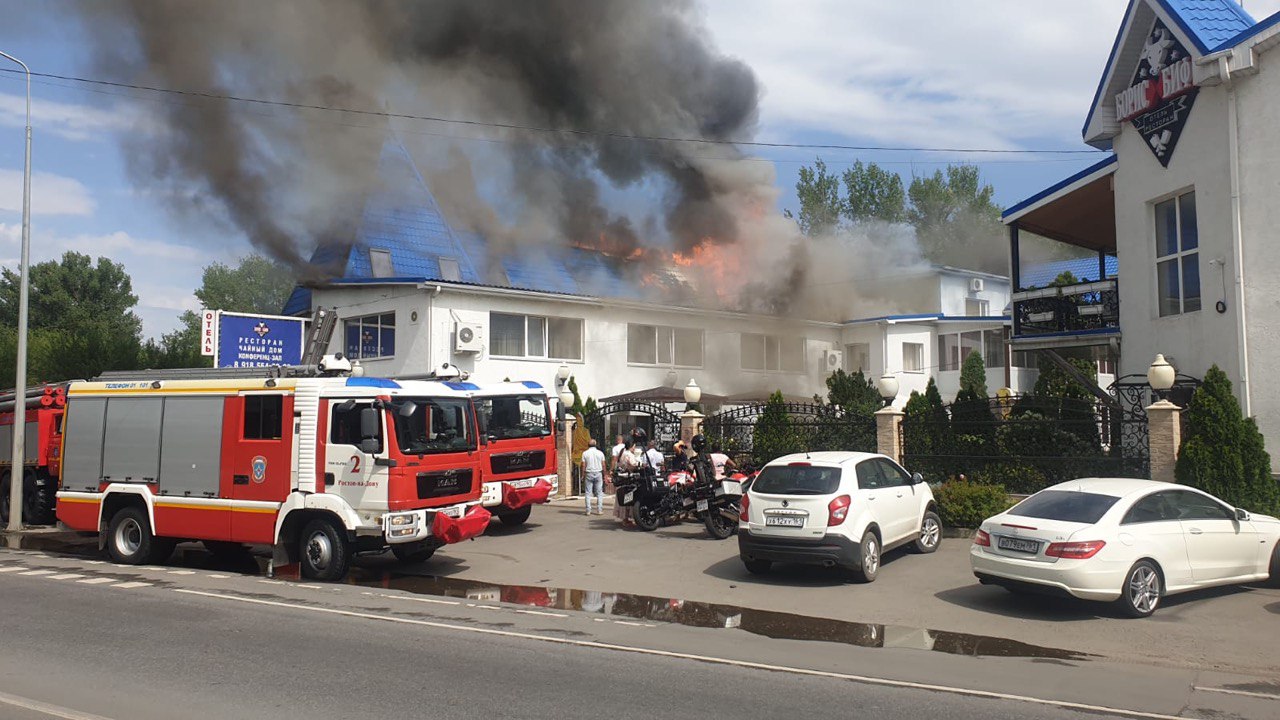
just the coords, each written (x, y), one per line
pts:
(319, 468)
(519, 448)
(43, 440)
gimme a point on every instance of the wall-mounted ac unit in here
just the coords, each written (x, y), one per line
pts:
(834, 359)
(975, 285)
(467, 337)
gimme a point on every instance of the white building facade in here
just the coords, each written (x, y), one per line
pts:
(1187, 104)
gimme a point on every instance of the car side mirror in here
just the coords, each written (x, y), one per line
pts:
(917, 478)
(369, 446)
(1242, 515)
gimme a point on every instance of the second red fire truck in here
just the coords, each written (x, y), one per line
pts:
(320, 468)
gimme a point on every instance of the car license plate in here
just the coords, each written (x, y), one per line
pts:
(631, 495)
(703, 505)
(1018, 545)
(784, 520)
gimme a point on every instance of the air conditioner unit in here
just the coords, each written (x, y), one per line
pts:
(975, 285)
(834, 359)
(467, 338)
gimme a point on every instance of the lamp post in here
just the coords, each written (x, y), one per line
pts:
(20, 371)
(887, 385)
(1161, 376)
(692, 393)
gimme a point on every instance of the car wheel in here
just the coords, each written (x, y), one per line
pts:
(515, 517)
(757, 567)
(930, 533)
(324, 551)
(869, 551)
(1140, 595)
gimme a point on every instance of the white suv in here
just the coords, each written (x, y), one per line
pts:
(837, 509)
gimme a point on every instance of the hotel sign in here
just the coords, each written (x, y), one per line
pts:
(1159, 99)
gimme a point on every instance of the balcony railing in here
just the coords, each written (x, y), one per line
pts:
(1084, 307)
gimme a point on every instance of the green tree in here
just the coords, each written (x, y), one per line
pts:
(774, 434)
(820, 201)
(1066, 277)
(1054, 382)
(874, 194)
(853, 393)
(973, 374)
(1223, 451)
(81, 320)
(255, 285)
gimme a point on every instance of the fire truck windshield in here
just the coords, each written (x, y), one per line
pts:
(509, 417)
(426, 426)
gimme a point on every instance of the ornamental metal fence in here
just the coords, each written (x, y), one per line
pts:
(756, 434)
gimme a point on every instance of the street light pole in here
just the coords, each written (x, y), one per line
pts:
(18, 464)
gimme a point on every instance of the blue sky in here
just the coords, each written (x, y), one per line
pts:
(987, 73)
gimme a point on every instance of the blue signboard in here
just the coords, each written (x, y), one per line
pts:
(259, 340)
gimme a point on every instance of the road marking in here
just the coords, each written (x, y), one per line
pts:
(131, 585)
(632, 624)
(220, 577)
(417, 599)
(864, 679)
(182, 572)
(94, 562)
(541, 612)
(97, 581)
(38, 572)
(1246, 693)
(310, 587)
(66, 576)
(10, 568)
(47, 709)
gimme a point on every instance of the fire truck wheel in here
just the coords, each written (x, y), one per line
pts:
(414, 552)
(324, 551)
(129, 538)
(515, 517)
(37, 501)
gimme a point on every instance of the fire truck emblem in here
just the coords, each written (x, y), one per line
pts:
(261, 329)
(259, 466)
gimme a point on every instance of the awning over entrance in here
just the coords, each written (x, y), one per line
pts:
(661, 394)
(1079, 211)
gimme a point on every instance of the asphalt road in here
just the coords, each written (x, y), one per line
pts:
(83, 639)
(146, 653)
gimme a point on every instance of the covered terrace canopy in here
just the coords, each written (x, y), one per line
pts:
(1079, 211)
(661, 395)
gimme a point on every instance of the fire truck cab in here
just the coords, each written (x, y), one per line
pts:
(319, 468)
(519, 448)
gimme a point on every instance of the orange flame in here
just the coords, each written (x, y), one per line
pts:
(717, 267)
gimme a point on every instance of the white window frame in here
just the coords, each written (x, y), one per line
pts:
(363, 321)
(852, 349)
(919, 358)
(983, 306)
(775, 343)
(1177, 257)
(382, 255)
(545, 321)
(944, 365)
(668, 334)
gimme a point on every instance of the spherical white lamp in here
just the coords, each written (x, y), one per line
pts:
(562, 374)
(566, 396)
(1161, 375)
(692, 393)
(887, 385)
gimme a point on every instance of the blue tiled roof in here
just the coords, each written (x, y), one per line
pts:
(402, 218)
(1210, 23)
(1085, 270)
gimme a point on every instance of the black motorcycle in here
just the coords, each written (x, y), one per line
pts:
(696, 491)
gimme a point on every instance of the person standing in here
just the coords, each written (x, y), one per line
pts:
(593, 469)
(618, 447)
(628, 462)
(655, 458)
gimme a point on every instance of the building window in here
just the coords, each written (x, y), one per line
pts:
(953, 348)
(857, 358)
(344, 424)
(772, 353)
(1177, 256)
(913, 357)
(262, 416)
(449, 270)
(656, 345)
(371, 336)
(380, 263)
(1026, 359)
(534, 336)
(975, 307)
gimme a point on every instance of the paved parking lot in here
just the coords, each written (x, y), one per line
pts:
(1233, 629)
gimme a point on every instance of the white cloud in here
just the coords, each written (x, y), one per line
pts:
(67, 120)
(50, 194)
(936, 73)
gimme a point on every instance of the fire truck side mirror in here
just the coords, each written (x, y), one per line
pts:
(370, 446)
(370, 427)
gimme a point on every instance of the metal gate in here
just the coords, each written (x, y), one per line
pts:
(661, 424)
(759, 433)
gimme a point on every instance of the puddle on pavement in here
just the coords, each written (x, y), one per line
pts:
(768, 623)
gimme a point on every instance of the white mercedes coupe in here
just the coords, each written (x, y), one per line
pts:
(1126, 541)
